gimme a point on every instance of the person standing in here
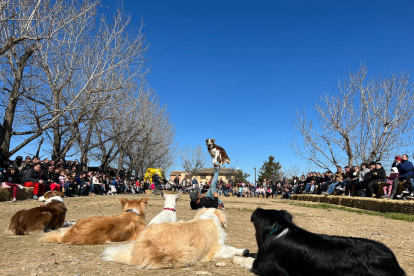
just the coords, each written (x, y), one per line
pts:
(176, 183)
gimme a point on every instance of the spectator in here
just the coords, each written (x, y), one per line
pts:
(377, 175)
(64, 181)
(55, 179)
(49, 177)
(9, 181)
(176, 183)
(405, 168)
(32, 179)
(326, 181)
(388, 184)
(269, 190)
(338, 178)
(261, 191)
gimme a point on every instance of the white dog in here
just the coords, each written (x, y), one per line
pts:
(168, 214)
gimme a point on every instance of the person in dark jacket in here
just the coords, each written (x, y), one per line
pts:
(210, 199)
(32, 179)
(377, 176)
(405, 168)
(10, 180)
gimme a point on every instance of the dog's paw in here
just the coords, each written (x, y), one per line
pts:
(243, 262)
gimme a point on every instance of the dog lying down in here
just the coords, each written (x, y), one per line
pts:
(177, 244)
(99, 230)
(168, 214)
(286, 249)
(49, 216)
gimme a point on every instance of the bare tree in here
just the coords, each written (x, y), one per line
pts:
(291, 172)
(26, 27)
(193, 159)
(369, 120)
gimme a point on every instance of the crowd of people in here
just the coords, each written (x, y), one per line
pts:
(361, 181)
(66, 176)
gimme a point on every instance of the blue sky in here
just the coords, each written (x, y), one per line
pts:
(236, 71)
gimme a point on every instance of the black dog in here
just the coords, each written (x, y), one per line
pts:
(286, 249)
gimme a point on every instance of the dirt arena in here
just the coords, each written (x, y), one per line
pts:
(26, 255)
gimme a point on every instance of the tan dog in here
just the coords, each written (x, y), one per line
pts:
(177, 244)
(99, 230)
(49, 216)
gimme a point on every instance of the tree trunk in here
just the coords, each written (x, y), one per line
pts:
(120, 161)
(7, 127)
(57, 138)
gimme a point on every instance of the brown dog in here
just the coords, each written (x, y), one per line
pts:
(49, 216)
(218, 154)
(99, 230)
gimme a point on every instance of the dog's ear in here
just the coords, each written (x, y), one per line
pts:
(145, 200)
(214, 140)
(62, 194)
(286, 215)
(123, 201)
(177, 196)
(257, 213)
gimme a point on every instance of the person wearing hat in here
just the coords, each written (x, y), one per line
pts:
(209, 199)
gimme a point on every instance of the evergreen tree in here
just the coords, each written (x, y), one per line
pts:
(241, 177)
(270, 168)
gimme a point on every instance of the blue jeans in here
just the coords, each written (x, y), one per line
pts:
(332, 187)
(66, 186)
(307, 187)
(345, 182)
(220, 192)
(213, 187)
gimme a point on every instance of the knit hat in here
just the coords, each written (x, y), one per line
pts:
(398, 157)
(394, 169)
(193, 195)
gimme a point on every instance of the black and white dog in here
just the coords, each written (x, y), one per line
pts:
(286, 249)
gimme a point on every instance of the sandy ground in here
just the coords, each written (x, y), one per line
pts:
(26, 255)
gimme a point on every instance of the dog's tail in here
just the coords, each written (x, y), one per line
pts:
(55, 236)
(119, 254)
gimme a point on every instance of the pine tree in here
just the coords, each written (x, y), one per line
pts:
(270, 168)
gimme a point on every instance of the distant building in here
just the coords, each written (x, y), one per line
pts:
(206, 174)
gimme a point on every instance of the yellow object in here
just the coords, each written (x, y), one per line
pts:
(151, 171)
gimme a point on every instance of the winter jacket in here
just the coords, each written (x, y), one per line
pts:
(30, 176)
(364, 175)
(405, 168)
(380, 174)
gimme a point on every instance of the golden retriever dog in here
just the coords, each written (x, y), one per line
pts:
(178, 244)
(49, 216)
(99, 230)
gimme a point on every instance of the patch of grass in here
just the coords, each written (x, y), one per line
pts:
(329, 207)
